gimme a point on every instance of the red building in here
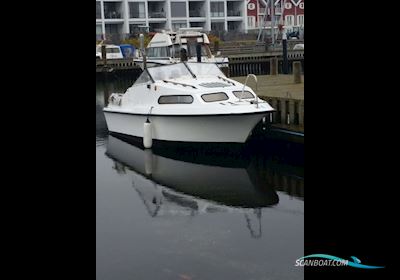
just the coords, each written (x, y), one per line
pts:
(289, 13)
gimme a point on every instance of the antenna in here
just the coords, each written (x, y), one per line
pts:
(143, 51)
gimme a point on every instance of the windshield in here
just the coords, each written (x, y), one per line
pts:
(200, 69)
(169, 72)
(144, 78)
(165, 72)
(191, 50)
(174, 71)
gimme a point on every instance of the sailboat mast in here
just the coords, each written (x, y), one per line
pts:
(273, 22)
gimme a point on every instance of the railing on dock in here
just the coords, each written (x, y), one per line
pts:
(260, 64)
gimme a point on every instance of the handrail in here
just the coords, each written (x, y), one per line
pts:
(245, 83)
(181, 84)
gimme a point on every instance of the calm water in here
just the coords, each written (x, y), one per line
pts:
(173, 213)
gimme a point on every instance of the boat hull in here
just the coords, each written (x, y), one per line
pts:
(232, 128)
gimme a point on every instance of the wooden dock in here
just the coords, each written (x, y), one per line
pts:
(124, 64)
(286, 97)
(260, 63)
(229, 48)
(239, 64)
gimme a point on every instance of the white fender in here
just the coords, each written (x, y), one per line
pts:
(147, 135)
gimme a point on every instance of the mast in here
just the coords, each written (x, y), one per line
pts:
(273, 22)
(260, 36)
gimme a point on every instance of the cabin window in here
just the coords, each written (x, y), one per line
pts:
(176, 51)
(243, 95)
(175, 99)
(158, 52)
(193, 50)
(113, 50)
(213, 97)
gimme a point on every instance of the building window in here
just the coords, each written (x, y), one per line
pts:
(99, 32)
(175, 99)
(177, 25)
(251, 6)
(251, 21)
(196, 9)
(217, 9)
(178, 9)
(156, 9)
(288, 5)
(234, 8)
(217, 26)
(300, 20)
(197, 24)
(234, 25)
(156, 26)
(137, 10)
(112, 10)
(301, 6)
(289, 20)
(261, 21)
(137, 27)
(98, 10)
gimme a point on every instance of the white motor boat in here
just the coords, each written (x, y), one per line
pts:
(165, 48)
(112, 52)
(186, 102)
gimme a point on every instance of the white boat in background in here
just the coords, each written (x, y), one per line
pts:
(298, 47)
(165, 48)
(112, 52)
(186, 102)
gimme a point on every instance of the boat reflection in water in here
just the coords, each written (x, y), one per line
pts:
(181, 184)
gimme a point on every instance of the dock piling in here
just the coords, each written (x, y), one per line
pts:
(297, 72)
(273, 66)
(285, 54)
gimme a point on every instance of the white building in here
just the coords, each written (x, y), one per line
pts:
(126, 16)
